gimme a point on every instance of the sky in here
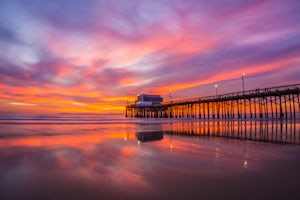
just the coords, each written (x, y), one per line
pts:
(92, 56)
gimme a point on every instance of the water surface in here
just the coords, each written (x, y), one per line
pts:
(109, 157)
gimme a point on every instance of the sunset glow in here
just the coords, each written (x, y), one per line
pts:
(89, 56)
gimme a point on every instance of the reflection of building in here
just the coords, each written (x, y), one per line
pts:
(148, 100)
(149, 136)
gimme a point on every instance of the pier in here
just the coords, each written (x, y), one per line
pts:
(264, 103)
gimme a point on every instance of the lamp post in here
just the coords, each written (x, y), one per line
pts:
(217, 105)
(126, 104)
(243, 74)
(170, 95)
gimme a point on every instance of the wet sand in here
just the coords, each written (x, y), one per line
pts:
(168, 160)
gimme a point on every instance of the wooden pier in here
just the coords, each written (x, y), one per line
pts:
(274, 102)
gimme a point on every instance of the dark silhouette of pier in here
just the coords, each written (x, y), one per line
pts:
(271, 131)
(265, 103)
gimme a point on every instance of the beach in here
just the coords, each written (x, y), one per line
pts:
(112, 157)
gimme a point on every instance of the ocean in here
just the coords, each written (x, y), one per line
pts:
(89, 156)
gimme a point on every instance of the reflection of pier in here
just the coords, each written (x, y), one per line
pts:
(274, 131)
(275, 102)
(149, 136)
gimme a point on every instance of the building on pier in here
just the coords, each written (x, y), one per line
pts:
(148, 100)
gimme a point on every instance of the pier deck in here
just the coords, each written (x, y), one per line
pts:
(273, 102)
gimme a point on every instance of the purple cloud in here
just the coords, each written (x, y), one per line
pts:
(121, 48)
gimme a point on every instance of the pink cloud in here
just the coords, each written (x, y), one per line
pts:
(117, 50)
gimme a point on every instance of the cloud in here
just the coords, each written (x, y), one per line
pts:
(99, 52)
(7, 35)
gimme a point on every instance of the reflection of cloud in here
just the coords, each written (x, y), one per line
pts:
(120, 49)
(91, 153)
